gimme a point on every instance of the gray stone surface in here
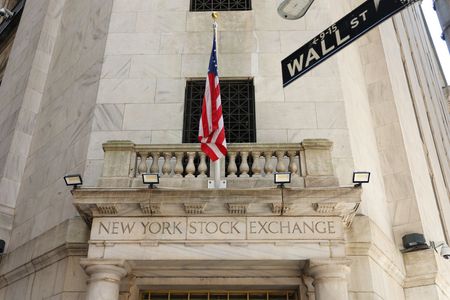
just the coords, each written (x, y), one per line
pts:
(84, 72)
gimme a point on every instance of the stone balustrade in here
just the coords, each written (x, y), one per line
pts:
(309, 162)
(243, 160)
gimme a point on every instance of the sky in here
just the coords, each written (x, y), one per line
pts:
(436, 31)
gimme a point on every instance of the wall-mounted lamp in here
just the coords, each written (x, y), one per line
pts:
(360, 177)
(445, 249)
(294, 9)
(150, 179)
(414, 242)
(282, 178)
(73, 180)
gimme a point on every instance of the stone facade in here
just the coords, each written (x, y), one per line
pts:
(96, 87)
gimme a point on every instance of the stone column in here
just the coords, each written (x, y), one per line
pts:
(330, 278)
(104, 279)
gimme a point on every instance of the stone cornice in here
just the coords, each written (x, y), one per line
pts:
(42, 261)
(92, 202)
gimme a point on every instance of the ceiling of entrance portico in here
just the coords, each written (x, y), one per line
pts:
(208, 268)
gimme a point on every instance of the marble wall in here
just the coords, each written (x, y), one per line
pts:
(87, 71)
(62, 87)
(20, 95)
(422, 123)
(153, 47)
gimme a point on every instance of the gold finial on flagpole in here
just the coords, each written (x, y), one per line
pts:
(215, 16)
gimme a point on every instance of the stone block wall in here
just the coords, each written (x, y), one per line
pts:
(421, 118)
(153, 47)
(20, 94)
(56, 107)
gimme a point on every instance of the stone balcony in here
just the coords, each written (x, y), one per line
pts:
(248, 170)
(246, 165)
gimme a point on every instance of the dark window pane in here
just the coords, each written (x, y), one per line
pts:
(178, 296)
(277, 296)
(238, 107)
(195, 296)
(158, 296)
(259, 296)
(220, 5)
(239, 296)
(218, 297)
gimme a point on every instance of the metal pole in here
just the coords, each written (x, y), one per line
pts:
(217, 174)
(215, 16)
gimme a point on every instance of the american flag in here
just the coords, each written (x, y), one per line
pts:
(211, 133)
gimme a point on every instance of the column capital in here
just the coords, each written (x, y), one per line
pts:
(105, 270)
(329, 268)
(330, 278)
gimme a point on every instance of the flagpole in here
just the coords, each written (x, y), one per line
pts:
(215, 16)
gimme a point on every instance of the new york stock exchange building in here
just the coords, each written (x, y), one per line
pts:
(335, 186)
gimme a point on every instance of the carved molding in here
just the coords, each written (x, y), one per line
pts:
(348, 215)
(150, 208)
(92, 202)
(325, 208)
(238, 208)
(194, 208)
(110, 209)
(346, 210)
(308, 283)
(279, 208)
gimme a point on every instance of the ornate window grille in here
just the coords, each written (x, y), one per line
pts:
(238, 107)
(220, 5)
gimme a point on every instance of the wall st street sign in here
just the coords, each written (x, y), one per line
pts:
(337, 36)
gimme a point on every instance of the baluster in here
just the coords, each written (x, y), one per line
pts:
(293, 167)
(166, 169)
(202, 167)
(268, 168)
(244, 168)
(281, 167)
(256, 169)
(232, 168)
(155, 166)
(133, 167)
(142, 168)
(190, 168)
(179, 164)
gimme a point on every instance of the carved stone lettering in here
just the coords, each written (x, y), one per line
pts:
(216, 228)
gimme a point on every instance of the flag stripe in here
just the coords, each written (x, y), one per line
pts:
(211, 133)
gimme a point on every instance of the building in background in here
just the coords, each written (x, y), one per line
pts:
(8, 29)
(442, 8)
(110, 89)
